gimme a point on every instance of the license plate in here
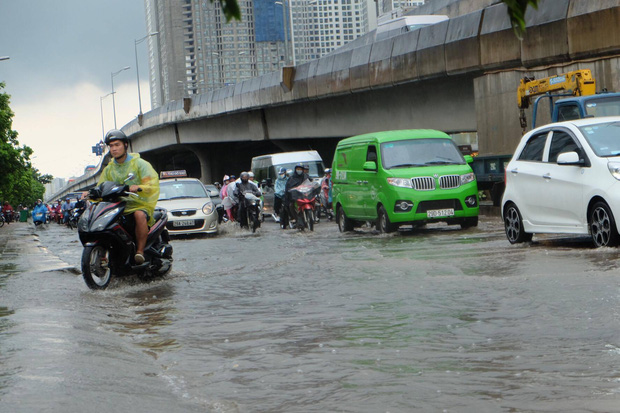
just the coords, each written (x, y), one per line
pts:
(184, 223)
(436, 213)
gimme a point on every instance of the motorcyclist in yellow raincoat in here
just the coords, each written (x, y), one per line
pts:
(145, 184)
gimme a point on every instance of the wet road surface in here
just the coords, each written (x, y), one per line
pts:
(438, 319)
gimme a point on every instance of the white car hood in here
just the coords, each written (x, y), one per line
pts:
(184, 203)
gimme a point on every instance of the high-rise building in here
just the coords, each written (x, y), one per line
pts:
(196, 50)
(321, 26)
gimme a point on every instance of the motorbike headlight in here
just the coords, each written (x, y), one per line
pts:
(207, 208)
(467, 178)
(614, 169)
(111, 213)
(401, 182)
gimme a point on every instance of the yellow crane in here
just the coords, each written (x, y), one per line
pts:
(575, 83)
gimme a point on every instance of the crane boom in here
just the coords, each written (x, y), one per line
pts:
(577, 83)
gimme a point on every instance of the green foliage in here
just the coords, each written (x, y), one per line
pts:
(20, 183)
(516, 12)
(231, 9)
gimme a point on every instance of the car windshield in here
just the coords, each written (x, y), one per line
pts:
(420, 152)
(603, 106)
(181, 189)
(315, 167)
(603, 138)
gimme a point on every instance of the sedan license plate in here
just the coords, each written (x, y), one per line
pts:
(436, 213)
(184, 223)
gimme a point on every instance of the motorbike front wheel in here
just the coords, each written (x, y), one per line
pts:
(309, 218)
(96, 267)
(255, 222)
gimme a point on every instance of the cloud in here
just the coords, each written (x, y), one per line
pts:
(62, 124)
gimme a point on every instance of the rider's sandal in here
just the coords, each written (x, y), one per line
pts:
(139, 259)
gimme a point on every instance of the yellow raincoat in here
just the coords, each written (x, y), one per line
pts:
(145, 177)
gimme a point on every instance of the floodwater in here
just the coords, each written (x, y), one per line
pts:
(438, 319)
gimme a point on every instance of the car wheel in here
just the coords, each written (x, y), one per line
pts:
(513, 224)
(383, 222)
(344, 223)
(603, 226)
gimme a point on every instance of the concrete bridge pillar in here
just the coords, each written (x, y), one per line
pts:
(205, 156)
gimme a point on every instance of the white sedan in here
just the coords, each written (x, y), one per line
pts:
(190, 209)
(565, 178)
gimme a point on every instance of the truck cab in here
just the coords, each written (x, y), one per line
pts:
(578, 107)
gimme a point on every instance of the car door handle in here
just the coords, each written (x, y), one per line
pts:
(547, 176)
(364, 182)
(514, 171)
(359, 182)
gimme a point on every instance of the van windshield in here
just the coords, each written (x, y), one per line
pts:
(420, 152)
(315, 170)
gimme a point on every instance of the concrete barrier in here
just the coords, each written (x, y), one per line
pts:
(358, 71)
(300, 82)
(312, 79)
(546, 38)
(462, 43)
(593, 28)
(430, 55)
(323, 77)
(403, 60)
(379, 69)
(340, 76)
(498, 44)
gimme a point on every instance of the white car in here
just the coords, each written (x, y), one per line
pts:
(565, 178)
(190, 209)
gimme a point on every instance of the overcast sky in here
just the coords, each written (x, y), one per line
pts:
(62, 53)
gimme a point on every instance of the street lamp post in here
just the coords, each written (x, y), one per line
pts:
(136, 42)
(101, 107)
(113, 100)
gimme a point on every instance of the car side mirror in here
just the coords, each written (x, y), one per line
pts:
(569, 158)
(370, 166)
(468, 158)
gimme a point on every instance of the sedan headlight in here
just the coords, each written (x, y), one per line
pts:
(207, 208)
(401, 182)
(467, 178)
(614, 169)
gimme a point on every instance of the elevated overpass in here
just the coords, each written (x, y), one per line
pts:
(460, 75)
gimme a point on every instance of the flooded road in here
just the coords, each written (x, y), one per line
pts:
(438, 319)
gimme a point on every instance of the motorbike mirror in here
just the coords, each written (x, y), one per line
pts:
(129, 177)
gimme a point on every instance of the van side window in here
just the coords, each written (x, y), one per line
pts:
(534, 148)
(371, 155)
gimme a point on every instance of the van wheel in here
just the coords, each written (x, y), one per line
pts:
(383, 222)
(469, 222)
(513, 225)
(344, 223)
(603, 226)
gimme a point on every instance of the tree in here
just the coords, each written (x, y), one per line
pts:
(20, 183)
(516, 12)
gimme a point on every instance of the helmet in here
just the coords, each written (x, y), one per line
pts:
(115, 135)
(328, 171)
(251, 174)
(306, 166)
(226, 178)
(244, 175)
(299, 165)
(282, 170)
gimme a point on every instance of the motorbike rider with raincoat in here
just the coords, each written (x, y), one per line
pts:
(39, 209)
(145, 183)
(288, 207)
(245, 185)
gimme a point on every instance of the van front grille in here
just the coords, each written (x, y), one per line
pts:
(423, 183)
(450, 181)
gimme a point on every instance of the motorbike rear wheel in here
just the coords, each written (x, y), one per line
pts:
(1, 221)
(309, 218)
(96, 267)
(255, 222)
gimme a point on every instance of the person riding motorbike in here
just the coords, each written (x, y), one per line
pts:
(145, 183)
(7, 210)
(66, 210)
(288, 207)
(326, 192)
(280, 186)
(241, 188)
(39, 209)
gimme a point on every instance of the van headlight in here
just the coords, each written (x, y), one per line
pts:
(614, 169)
(467, 178)
(401, 182)
(207, 209)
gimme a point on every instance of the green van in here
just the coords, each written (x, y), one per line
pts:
(405, 177)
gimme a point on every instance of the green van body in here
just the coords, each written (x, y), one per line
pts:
(426, 193)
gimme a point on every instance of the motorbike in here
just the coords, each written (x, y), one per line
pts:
(109, 244)
(75, 214)
(39, 218)
(305, 196)
(252, 208)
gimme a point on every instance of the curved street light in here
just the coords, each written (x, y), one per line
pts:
(113, 101)
(101, 107)
(4, 57)
(136, 43)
